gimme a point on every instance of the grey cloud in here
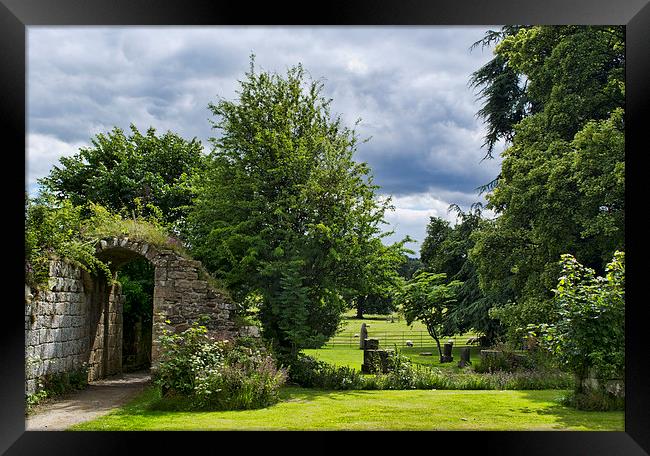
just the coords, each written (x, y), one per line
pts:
(407, 84)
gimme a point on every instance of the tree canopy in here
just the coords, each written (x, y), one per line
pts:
(139, 172)
(283, 211)
(561, 186)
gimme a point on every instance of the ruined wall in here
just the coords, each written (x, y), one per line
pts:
(74, 323)
(77, 320)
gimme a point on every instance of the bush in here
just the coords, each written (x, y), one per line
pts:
(309, 372)
(595, 400)
(588, 338)
(216, 375)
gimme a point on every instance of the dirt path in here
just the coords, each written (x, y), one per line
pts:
(97, 399)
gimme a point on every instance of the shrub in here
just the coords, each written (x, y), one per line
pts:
(589, 337)
(216, 375)
(309, 372)
(595, 400)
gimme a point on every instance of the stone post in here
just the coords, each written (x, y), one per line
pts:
(363, 335)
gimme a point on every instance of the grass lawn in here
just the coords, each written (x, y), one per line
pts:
(309, 409)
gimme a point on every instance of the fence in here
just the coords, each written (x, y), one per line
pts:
(388, 339)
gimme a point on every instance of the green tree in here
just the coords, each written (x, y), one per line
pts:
(561, 186)
(427, 297)
(373, 284)
(587, 334)
(448, 252)
(283, 210)
(121, 172)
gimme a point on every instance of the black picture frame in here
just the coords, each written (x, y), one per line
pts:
(16, 15)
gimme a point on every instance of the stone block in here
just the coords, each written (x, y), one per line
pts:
(183, 284)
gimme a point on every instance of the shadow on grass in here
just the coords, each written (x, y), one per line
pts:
(151, 403)
(568, 417)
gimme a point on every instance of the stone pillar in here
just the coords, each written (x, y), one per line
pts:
(363, 335)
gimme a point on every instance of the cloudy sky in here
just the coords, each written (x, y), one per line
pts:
(409, 86)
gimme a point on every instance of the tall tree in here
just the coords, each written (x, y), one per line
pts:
(561, 184)
(284, 211)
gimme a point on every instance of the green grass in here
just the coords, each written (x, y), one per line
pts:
(308, 409)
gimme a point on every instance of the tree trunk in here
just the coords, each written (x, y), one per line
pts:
(432, 333)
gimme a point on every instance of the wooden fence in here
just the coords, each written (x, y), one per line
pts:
(388, 339)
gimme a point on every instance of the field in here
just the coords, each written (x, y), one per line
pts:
(308, 409)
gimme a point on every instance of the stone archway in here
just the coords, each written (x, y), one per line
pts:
(182, 291)
(76, 322)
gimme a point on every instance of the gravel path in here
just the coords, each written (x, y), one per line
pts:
(97, 399)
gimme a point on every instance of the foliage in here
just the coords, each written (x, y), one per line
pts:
(52, 229)
(217, 375)
(562, 181)
(283, 211)
(381, 301)
(405, 375)
(309, 372)
(427, 298)
(137, 279)
(588, 333)
(409, 267)
(446, 250)
(57, 228)
(593, 400)
(119, 170)
(506, 359)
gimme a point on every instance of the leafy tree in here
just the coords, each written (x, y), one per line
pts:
(447, 251)
(561, 186)
(283, 210)
(377, 277)
(409, 267)
(120, 172)
(588, 331)
(382, 301)
(431, 251)
(140, 175)
(427, 297)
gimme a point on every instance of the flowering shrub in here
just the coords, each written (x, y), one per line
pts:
(218, 375)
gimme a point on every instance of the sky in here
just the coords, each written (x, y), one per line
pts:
(408, 85)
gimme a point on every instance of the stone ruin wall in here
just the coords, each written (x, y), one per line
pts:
(74, 323)
(77, 320)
